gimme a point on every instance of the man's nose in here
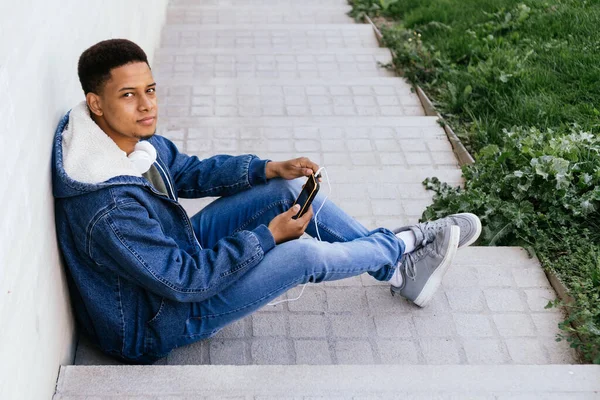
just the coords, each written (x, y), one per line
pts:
(146, 103)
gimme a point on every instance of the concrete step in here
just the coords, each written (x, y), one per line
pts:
(375, 196)
(330, 382)
(266, 6)
(271, 36)
(411, 143)
(265, 63)
(165, 53)
(258, 3)
(296, 14)
(388, 157)
(488, 311)
(308, 97)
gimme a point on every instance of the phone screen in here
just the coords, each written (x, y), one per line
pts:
(309, 190)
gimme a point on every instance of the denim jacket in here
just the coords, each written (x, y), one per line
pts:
(134, 265)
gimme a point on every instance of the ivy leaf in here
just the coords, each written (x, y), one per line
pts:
(586, 178)
(535, 163)
(524, 188)
(587, 207)
(488, 151)
(560, 167)
(594, 194)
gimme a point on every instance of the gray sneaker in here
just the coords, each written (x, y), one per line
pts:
(423, 270)
(425, 232)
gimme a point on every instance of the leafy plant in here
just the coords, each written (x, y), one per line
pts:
(533, 181)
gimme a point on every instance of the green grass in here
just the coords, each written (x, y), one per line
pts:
(519, 82)
(539, 66)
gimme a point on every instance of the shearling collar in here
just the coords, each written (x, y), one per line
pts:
(89, 154)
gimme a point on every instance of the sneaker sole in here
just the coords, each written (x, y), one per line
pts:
(477, 229)
(435, 280)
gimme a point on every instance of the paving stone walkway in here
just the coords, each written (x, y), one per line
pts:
(283, 79)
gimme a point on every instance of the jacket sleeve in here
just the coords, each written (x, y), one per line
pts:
(219, 175)
(130, 243)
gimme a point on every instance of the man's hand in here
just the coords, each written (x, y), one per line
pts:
(291, 169)
(284, 228)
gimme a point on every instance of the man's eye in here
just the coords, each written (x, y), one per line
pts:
(125, 95)
(152, 89)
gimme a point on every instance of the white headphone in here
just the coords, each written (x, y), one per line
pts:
(143, 156)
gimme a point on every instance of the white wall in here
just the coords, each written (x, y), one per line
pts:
(40, 44)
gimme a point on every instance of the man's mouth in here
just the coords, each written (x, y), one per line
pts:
(147, 121)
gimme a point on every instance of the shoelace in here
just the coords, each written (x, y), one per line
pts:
(410, 262)
(428, 229)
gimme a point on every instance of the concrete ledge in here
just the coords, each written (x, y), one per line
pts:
(267, 27)
(385, 81)
(427, 104)
(316, 7)
(344, 380)
(422, 122)
(255, 3)
(383, 51)
(376, 31)
(464, 157)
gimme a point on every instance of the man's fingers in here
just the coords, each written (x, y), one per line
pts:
(305, 219)
(314, 167)
(293, 210)
(308, 167)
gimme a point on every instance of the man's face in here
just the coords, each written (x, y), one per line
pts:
(128, 98)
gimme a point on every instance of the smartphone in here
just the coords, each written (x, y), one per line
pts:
(307, 195)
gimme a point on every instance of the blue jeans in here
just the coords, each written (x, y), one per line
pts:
(347, 249)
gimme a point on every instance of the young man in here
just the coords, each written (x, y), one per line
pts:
(144, 278)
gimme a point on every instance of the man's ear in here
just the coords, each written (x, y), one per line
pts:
(94, 103)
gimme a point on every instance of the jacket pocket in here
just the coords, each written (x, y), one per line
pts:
(165, 327)
(152, 332)
(160, 309)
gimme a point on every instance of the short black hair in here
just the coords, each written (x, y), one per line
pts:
(96, 62)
